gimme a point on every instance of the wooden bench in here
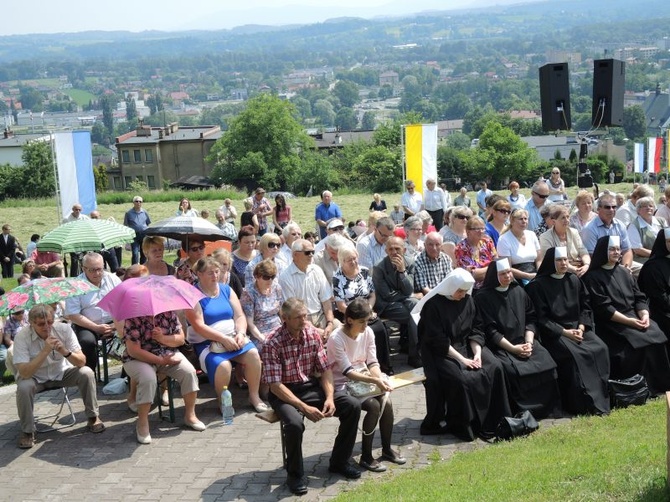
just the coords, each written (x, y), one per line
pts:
(400, 380)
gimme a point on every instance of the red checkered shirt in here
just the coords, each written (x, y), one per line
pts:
(286, 360)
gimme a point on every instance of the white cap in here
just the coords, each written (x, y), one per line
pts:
(335, 223)
(560, 252)
(502, 265)
(614, 242)
(666, 231)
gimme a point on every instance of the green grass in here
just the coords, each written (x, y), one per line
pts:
(616, 458)
(79, 96)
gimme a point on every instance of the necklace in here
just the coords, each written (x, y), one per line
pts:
(208, 293)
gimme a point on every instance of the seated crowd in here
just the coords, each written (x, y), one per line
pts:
(525, 305)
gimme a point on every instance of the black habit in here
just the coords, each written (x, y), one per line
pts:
(583, 367)
(631, 350)
(475, 398)
(531, 382)
(654, 281)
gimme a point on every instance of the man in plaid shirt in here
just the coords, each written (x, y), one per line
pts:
(296, 368)
(431, 266)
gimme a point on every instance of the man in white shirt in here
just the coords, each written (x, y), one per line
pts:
(48, 356)
(435, 202)
(89, 321)
(371, 248)
(291, 233)
(411, 200)
(75, 215)
(307, 282)
(628, 211)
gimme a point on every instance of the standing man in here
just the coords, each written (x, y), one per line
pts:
(8, 246)
(261, 208)
(137, 219)
(462, 198)
(411, 200)
(75, 215)
(47, 356)
(111, 256)
(229, 211)
(295, 366)
(89, 321)
(435, 202)
(325, 211)
(482, 194)
(538, 198)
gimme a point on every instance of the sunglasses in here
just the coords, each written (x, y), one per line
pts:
(504, 211)
(608, 207)
(268, 277)
(541, 196)
(308, 253)
(461, 216)
(274, 245)
(195, 249)
(337, 229)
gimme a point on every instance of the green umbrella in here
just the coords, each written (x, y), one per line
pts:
(85, 235)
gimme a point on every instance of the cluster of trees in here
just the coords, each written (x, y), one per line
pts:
(265, 145)
(34, 179)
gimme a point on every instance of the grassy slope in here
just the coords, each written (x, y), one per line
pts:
(619, 457)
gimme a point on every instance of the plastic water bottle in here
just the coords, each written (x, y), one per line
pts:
(227, 410)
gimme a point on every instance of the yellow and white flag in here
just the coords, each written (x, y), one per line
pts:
(420, 154)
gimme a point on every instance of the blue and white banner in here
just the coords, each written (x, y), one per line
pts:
(639, 157)
(75, 171)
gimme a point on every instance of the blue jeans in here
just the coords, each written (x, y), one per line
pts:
(136, 250)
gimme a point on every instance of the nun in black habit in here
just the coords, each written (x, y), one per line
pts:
(463, 373)
(508, 319)
(636, 343)
(565, 327)
(654, 281)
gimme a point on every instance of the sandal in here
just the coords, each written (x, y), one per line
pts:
(26, 440)
(372, 466)
(95, 425)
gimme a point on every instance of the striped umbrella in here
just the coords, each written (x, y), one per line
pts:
(85, 235)
(181, 227)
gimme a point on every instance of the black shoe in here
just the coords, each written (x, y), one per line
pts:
(373, 465)
(415, 361)
(297, 486)
(463, 433)
(347, 470)
(394, 457)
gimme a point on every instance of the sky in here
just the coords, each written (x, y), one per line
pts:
(68, 16)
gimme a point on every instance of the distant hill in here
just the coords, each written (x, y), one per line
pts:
(643, 20)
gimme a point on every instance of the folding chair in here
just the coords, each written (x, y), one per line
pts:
(68, 421)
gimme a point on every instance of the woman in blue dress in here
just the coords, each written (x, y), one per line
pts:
(218, 333)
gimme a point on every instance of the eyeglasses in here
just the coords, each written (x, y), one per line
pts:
(94, 270)
(195, 249)
(504, 211)
(309, 252)
(416, 229)
(608, 207)
(338, 228)
(267, 277)
(461, 216)
(274, 245)
(76, 209)
(477, 229)
(541, 196)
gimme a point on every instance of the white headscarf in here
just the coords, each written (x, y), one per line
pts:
(457, 279)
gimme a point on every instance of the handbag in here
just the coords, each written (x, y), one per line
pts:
(629, 391)
(359, 389)
(521, 424)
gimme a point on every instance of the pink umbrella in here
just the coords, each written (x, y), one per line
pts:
(149, 296)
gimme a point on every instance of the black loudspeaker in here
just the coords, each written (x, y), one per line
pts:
(585, 181)
(555, 97)
(609, 76)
